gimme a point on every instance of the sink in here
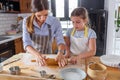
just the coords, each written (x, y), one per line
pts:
(4, 38)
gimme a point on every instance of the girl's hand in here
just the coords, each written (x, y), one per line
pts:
(41, 60)
(73, 59)
(61, 60)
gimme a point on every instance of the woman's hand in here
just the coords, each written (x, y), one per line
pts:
(61, 60)
(41, 60)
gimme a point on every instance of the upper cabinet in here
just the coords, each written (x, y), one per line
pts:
(15, 6)
(25, 6)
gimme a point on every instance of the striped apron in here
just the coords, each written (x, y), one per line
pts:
(42, 43)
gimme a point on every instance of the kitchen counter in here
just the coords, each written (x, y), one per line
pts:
(28, 73)
(11, 37)
(31, 71)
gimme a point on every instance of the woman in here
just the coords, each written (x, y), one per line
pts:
(39, 30)
(81, 39)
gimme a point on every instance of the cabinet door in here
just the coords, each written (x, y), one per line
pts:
(18, 46)
(25, 6)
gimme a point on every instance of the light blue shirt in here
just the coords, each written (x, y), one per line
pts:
(43, 30)
(80, 34)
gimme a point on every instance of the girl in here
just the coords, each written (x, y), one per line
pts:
(81, 39)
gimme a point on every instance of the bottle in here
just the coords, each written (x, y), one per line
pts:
(7, 7)
(11, 7)
(0, 5)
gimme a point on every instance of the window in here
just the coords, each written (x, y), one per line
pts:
(63, 8)
(72, 5)
(59, 8)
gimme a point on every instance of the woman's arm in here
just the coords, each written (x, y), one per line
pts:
(67, 41)
(28, 45)
(60, 55)
(60, 43)
(40, 58)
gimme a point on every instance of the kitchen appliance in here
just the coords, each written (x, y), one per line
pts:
(98, 21)
(6, 50)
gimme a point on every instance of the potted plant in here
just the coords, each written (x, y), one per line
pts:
(117, 22)
(117, 19)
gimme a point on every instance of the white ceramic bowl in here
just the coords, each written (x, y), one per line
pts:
(110, 60)
(72, 74)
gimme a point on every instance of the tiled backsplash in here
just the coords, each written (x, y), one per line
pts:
(6, 20)
(24, 14)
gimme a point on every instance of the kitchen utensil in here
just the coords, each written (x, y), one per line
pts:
(51, 59)
(44, 74)
(30, 59)
(14, 70)
(72, 74)
(97, 71)
(11, 62)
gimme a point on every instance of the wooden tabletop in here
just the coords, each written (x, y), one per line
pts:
(32, 72)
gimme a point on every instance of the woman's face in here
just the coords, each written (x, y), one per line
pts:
(78, 22)
(41, 15)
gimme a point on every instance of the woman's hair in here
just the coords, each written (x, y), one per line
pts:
(29, 23)
(36, 6)
(39, 5)
(81, 12)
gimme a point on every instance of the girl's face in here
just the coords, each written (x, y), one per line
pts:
(78, 22)
(41, 15)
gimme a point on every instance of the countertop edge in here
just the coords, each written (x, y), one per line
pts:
(12, 37)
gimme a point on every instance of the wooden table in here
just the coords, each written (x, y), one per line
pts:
(29, 72)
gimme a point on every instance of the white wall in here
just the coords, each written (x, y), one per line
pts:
(110, 7)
